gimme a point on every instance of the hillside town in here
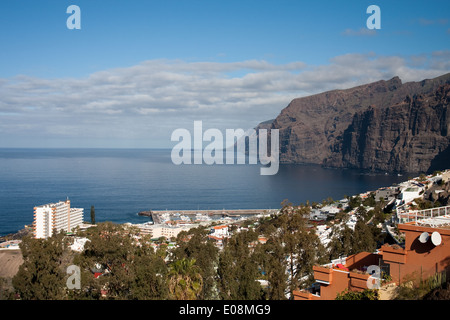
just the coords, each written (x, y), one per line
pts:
(401, 203)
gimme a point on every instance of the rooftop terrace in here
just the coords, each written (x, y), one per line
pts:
(435, 217)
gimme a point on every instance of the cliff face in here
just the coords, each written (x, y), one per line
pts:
(407, 136)
(385, 125)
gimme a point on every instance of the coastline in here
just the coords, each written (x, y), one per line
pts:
(16, 236)
(156, 215)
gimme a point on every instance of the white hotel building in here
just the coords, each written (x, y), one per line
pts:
(55, 216)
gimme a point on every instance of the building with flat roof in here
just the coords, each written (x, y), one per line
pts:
(55, 216)
(162, 230)
(220, 231)
(425, 252)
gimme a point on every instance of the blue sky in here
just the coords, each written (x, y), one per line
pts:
(139, 69)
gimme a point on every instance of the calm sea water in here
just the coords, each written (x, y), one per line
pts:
(122, 182)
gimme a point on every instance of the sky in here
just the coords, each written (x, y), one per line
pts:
(137, 70)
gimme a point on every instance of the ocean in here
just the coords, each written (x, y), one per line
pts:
(121, 182)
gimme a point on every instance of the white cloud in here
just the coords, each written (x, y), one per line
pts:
(146, 102)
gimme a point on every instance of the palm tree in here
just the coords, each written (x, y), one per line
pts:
(185, 280)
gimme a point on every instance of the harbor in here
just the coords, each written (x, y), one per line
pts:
(163, 216)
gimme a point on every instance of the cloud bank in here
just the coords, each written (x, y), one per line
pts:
(139, 106)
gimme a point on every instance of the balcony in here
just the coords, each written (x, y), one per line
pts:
(358, 280)
(323, 274)
(394, 253)
(312, 293)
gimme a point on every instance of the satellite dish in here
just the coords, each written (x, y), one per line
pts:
(436, 238)
(424, 237)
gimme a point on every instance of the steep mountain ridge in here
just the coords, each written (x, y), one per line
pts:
(384, 125)
(404, 137)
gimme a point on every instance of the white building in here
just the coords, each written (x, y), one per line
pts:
(55, 216)
(162, 230)
(330, 209)
(409, 194)
(76, 218)
(220, 231)
(78, 244)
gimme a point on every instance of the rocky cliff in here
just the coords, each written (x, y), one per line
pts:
(385, 125)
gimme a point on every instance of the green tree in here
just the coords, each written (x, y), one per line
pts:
(341, 242)
(92, 215)
(290, 252)
(370, 200)
(300, 244)
(194, 244)
(238, 269)
(310, 252)
(354, 202)
(112, 250)
(292, 225)
(41, 276)
(272, 261)
(149, 276)
(363, 239)
(361, 213)
(6, 290)
(130, 270)
(185, 280)
(149, 273)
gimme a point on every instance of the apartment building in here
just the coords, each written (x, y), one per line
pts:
(425, 252)
(163, 230)
(55, 216)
